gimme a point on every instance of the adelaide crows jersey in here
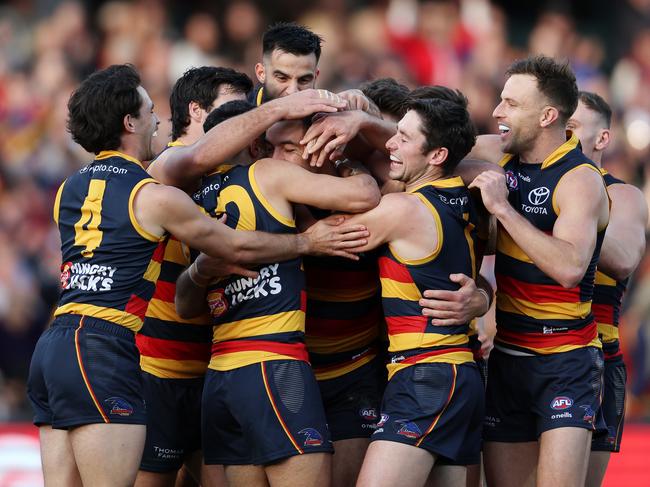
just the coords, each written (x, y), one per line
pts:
(110, 263)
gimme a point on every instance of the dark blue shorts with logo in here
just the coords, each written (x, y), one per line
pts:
(262, 413)
(352, 401)
(437, 407)
(613, 406)
(85, 370)
(527, 395)
(173, 421)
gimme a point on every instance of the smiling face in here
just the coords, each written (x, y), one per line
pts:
(285, 138)
(519, 112)
(282, 73)
(145, 126)
(407, 160)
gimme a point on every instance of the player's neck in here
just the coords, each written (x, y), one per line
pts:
(194, 133)
(433, 174)
(543, 146)
(132, 148)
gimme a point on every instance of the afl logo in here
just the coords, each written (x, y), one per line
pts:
(511, 180)
(66, 269)
(538, 196)
(561, 402)
(217, 303)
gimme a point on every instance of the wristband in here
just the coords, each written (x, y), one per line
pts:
(193, 269)
(487, 298)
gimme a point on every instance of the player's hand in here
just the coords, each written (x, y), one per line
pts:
(454, 307)
(327, 136)
(487, 344)
(307, 102)
(212, 267)
(358, 101)
(332, 236)
(494, 191)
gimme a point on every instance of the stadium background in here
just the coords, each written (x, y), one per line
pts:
(48, 46)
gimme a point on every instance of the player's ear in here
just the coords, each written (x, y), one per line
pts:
(549, 115)
(438, 156)
(260, 73)
(602, 140)
(128, 122)
(194, 110)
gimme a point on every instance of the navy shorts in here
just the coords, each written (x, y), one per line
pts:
(613, 406)
(173, 422)
(261, 413)
(437, 407)
(527, 395)
(85, 370)
(352, 401)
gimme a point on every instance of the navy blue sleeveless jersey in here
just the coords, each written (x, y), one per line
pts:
(110, 263)
(255, 320)
(608, 298)
(413, 339)
(534, 313)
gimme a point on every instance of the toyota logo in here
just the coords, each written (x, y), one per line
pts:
(539, 196)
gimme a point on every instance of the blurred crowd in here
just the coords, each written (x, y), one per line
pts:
(48, 46)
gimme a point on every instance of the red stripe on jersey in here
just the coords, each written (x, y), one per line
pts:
(406, 324)
(390, 269)
(172, 349)
(537, 293)
(165, 291)
(159, 252)
(603, 313)
(136, 306)
(583, 336)
(303, 301)
(295, 350)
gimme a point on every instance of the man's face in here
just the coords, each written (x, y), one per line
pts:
(407, 161)
(519, 113)
(285, 138)
(587, 125)
(282, 73)
(146, 125)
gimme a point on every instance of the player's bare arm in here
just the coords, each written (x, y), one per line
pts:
(283, 182)
(185, 164)
(624, 243)
(581, 202)
(402, 221)
(160, 209)
(191, 284)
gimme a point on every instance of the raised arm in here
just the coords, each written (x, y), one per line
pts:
(582, 203)
(353, 194)
(624, 243)
(184, 165)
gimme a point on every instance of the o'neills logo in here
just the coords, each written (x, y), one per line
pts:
(217, 303)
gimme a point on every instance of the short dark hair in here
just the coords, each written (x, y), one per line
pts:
(445, 124)
(389, 95)
(226, 111)
(96, 109)
(201, 85)
(555, 80)
(291, 38)
(439, 92)
(596, 103)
